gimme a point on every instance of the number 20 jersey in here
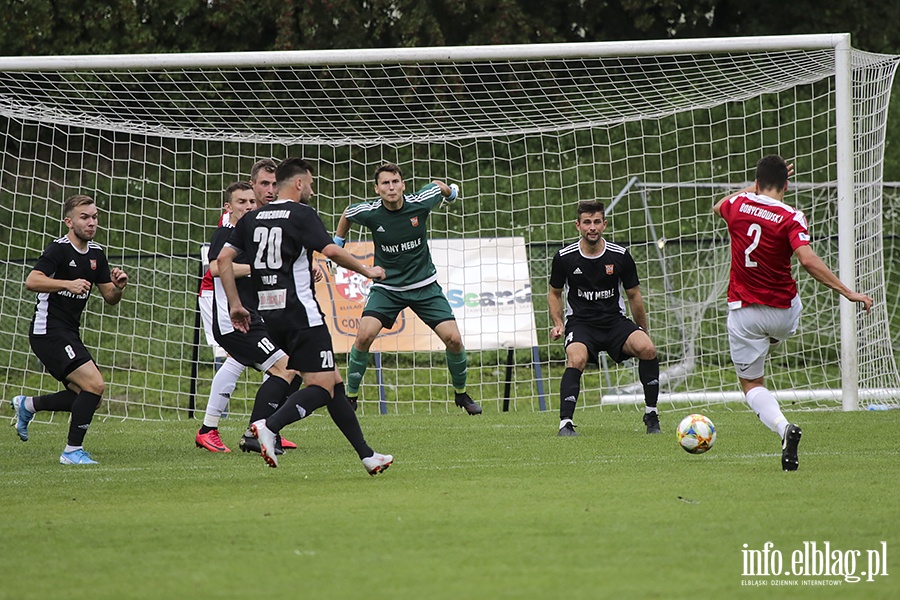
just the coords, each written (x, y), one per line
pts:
(764, 234)
(279, 240)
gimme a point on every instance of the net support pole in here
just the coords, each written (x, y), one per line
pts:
(382, 398)
(846, 219)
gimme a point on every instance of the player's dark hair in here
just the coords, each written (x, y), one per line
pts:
(237, 185)
(590, 207)
(388, 168)
(772, 172)
(266, 164)
(73, 202)
(290, 168)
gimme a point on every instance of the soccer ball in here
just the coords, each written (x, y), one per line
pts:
(696, 434)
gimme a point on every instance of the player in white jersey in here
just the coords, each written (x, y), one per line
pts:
(63, 278)
(764, 307)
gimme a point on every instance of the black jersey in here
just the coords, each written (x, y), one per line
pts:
(593, 282)
(244, 284)
(279, 240)
(61, 260)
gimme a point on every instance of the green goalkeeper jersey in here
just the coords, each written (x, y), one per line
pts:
(401, 238)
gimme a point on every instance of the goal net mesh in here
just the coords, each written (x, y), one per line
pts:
(657, 138)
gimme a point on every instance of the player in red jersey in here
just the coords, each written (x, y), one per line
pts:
(763, 304)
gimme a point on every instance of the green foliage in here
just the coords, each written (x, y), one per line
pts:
(484, 507)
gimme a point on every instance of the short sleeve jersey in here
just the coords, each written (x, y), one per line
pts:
(279, 240)
(591, 283)
(244, 284)
(61, 260)
(764, 234)
(401, 238)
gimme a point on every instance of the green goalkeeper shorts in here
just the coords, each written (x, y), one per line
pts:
(428, 302)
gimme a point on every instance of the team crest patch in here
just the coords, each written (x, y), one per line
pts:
(414, 221)
(610, 269)
(93, 265)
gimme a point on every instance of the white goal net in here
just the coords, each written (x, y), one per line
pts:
(657, 130)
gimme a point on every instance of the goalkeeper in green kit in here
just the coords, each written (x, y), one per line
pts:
(398, 223)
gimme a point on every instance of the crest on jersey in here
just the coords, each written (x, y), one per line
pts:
(610, 269)
(93, 264)
(414, 221)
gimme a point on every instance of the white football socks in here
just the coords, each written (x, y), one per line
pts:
(764, 404)
(223, 385)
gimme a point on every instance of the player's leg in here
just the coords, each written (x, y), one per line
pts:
(750, 333)
(381, 311)
(358, 361)
(223, 384)
(577, 354)
(89, 381)
(344, 417)
(457, 364)
(639, 345)
(431, 305)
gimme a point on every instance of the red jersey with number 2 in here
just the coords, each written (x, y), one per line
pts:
(764, 234)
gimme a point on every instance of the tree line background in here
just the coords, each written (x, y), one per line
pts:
(61, 27)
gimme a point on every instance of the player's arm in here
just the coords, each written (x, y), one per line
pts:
(240, 317)
(555, 306)
(343, 229)
(449, 192)
(112, 290)
(239, 269)
(816, 267)
(340, 256)
(717, 208)
(636, 303)
(40, 282)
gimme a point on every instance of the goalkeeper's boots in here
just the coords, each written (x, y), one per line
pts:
(377, 463)
(249, 443)
(567, 428)
(651, 420)
(211, 441)
(463, 400)
(76, 457)
(789, 459)
(266, 438)
(23, 417)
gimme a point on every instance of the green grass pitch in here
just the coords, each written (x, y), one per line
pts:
(489, 507)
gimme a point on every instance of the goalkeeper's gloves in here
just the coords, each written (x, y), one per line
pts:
(339, 241)
(454, 194)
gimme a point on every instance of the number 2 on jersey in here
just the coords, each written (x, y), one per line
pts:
(754, 231)
(268, 253)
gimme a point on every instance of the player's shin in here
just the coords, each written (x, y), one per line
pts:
(457, 364)
(648, 371)
(83, 410)
(569, 388)
(358, 362)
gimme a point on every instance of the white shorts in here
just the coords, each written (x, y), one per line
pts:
(751, 331)
(205, 302)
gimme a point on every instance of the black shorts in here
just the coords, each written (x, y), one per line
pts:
(609, 339)
(60, 351)
(252, 349)
(309, 350)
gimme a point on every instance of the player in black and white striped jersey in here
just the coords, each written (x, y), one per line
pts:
(279, 240)
(592, 270)
(63, 278)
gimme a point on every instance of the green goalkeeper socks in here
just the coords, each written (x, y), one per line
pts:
(359, 362)
(457, 364)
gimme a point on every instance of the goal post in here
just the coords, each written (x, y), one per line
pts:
(658, 130)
